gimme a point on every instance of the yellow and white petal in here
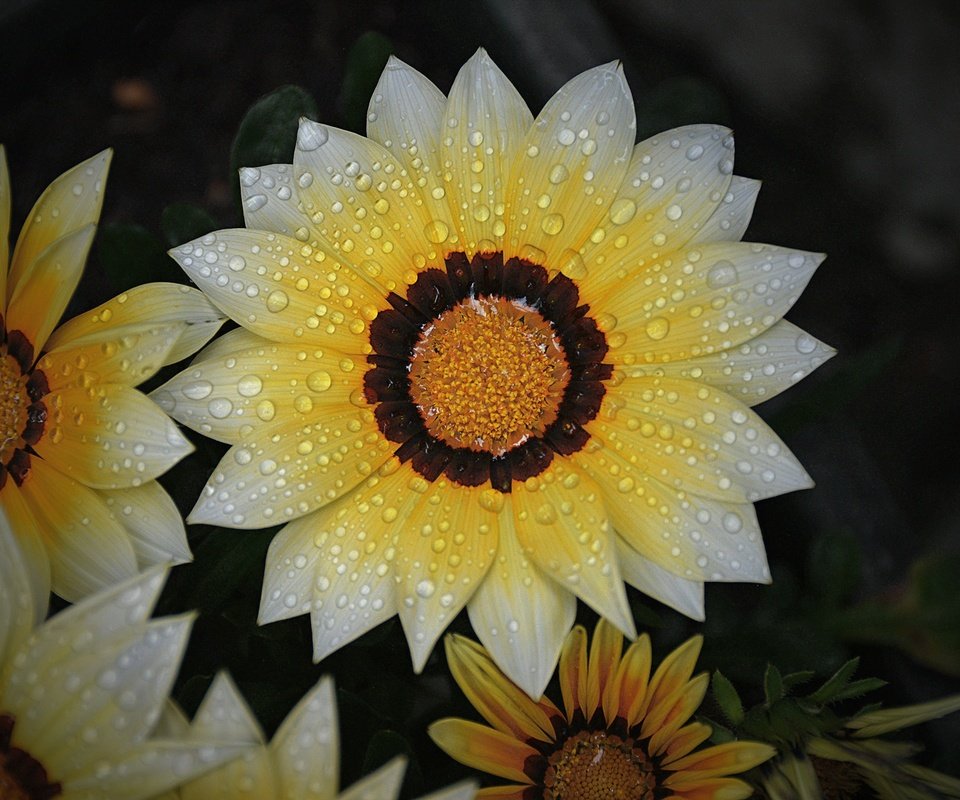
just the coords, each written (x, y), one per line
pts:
(563, 527)
(149, 769)
(681, 594)
(754, 371)
(4, 226)
(154, 304)
(690, 536)
(152, 522)
(361, 204)
(696, 439)
(225, 715)
(497, 698)
(483, 748)
(570, 167)
(673, 185)
(406, 116)
(282, 289)
(278, 473)
(41, 297)
(484, 124)
(270, 202)
(109, 436)
(119, 691)
(306, 749)
(234, 339)
(18, 610)
(383, 784)
(698, 301)
(30, 540)
(128, 354)
(572, 672)
(71, 202)
(89, 549)
(228, 396)
(443, 553)
(521, 615)
(730, 219)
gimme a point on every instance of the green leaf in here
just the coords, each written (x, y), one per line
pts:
(183, 222)
(828, 692)
(860, 688)
(772, 684)
(365, 62)
(268, 132)
(225, 560)
(727, 698)
(797, 678)
(131, 255)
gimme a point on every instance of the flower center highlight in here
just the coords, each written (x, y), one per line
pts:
(22, 777)
(14, 406)
(595, 765)
(488, 374)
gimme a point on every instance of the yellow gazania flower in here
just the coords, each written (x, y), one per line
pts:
(81, 694)
(80, 448)
(493, 361)
(622, 734)
(302, 760)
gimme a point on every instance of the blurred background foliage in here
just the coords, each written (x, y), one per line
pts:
(847, 111)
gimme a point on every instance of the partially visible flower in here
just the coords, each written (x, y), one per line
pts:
(621, 735)
(81, 694)
(79, 446)
(495, 362)
(301, 762)
(852, 762)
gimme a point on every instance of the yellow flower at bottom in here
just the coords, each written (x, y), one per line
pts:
(301, 762)
(81, 694)
(621, 733)
(494, 362)
(79, 446)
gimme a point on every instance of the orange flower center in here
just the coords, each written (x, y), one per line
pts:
(488, 374)
(597, 765)
(14, 406)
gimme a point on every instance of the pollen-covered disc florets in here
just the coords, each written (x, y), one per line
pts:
(597, 765)
(486, 370)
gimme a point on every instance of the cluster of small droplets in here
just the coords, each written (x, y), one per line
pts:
(487, 375)
(596, 765)
(13, 406)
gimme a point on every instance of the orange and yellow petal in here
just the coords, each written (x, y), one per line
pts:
(665, 717)
(109, 436)
(360, 201)
(280, 472)
(755, 370)
(4, 225)
(572, 672)
(152, 304)
(720, 760)
(711, 789)
(45, 290)
(513, 791)
(563, 527)
(483, 748)
(88, 548)
(633, 679)
(570, 167)
(672, 675)
(283, 289)
(496, 697)
(484, 123)
(232, 391)
(606, 647)
(128, 355)
(520, 615)
(443, 552)
(72, 202)
(684, 741)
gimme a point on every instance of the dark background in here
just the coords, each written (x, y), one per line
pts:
(849, 113)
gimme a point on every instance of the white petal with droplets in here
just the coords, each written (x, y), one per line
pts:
(18, 613)
(384, 784)
(520, 615)
(270, 202)
(685, 596)
(152, 521)
(730, 219)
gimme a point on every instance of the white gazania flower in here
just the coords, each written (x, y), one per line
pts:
(301, 762)
(498, 362)
(81, 694)
(79, 446)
